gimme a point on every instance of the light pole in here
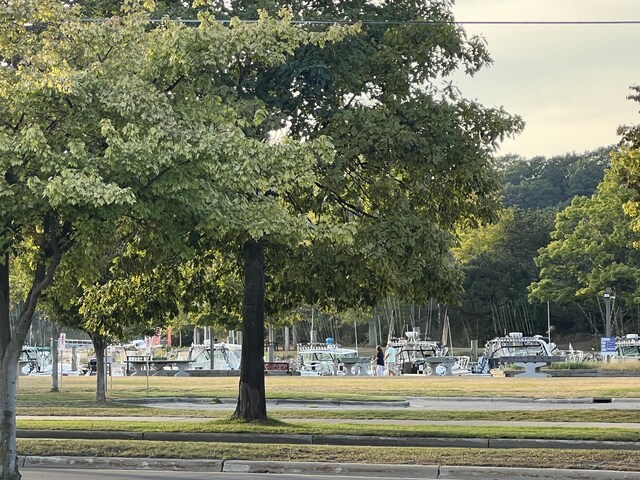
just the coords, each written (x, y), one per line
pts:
(608, 296)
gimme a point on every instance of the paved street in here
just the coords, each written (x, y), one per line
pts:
(454, 403)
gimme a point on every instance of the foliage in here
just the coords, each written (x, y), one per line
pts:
(592, 248)
(498, 264)
(541, 182)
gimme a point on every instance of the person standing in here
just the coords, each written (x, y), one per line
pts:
(391, 359)
(379, 361)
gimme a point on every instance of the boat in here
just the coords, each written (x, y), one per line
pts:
(628, 346)
(415, 355)
(226, 356)
(35, 360)
(515, 347)
(329, 358)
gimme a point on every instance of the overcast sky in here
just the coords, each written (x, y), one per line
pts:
(568, 82)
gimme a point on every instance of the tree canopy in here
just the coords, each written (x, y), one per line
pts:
(592, 248)
(542, 182)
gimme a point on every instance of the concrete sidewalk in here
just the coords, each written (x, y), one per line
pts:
(468, 423)
(338, 440)
(431, 403)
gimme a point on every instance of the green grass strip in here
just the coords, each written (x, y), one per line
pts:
(281, 427)
(99, 410)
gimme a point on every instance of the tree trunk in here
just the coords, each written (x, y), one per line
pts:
(9, 357)
(8, 392)
(100, 345)
(252, 403)
(55, 357)
(50, 253)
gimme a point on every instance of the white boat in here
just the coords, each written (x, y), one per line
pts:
(320, 359)
(226, 356)
(512, 348)
(628, 346)
(35, 360)
(425, 356)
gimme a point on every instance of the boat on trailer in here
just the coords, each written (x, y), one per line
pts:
(628, 346)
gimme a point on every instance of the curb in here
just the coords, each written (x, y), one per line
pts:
(321, 468)
(342, 440)
(121, 463)
(353, 469)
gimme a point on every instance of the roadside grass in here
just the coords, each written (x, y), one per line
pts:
(622, 460)
(34, 391)
(115, 410)
(620, 365)
(274, 426)
(627, 365)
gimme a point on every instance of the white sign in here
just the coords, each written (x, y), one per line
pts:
(61, 341)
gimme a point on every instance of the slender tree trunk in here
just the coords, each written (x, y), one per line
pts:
(100, 345)
(252, 403)
(9, 357)
(8, 392)
(55, 357)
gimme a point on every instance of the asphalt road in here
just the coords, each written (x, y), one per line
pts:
(76, 474)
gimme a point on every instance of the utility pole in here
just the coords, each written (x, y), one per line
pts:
(607, 303)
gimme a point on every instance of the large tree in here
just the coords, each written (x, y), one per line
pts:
(413, 160)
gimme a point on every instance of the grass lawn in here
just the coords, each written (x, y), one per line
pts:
(344, 428)
(77, 398)
(33, 391)
(117, 410)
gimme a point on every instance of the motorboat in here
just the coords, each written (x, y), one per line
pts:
(415, 355)
(329, 358)
(411, 352)
(515, 347)
(35, 360)
(226, 356)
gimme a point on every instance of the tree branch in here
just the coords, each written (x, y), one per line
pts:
(174, 84)
(103, 58)
(54, 242)
(161, 174)
(15, 129)
(344, 203)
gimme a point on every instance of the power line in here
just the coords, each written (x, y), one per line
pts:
(411, 22)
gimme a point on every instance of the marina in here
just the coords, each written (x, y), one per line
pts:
(514, 354)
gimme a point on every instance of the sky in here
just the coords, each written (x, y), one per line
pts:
(569, 83)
